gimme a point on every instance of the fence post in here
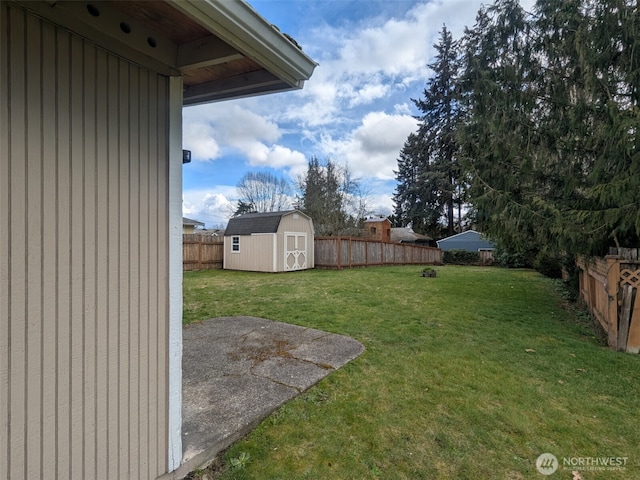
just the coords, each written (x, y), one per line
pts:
(613, 280)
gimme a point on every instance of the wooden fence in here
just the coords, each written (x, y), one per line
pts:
(201, 252)
(609, 287)
(486, 257)
(349, 252)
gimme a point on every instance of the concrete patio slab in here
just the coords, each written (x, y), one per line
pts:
(238, 370)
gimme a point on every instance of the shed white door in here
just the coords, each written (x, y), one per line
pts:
(295, 251)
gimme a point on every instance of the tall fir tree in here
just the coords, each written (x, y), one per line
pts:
(590, 91)
(498, 135)
(416, 202)
(430, 182)
(550, 135)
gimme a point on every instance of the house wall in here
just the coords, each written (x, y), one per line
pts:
(83, 260)
(256, 253)
(382, 230)
(470, 241)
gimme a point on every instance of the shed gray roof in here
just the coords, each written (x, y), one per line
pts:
(255, 223)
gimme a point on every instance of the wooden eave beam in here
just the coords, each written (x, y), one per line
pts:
(237, 86)
(240, 26)
(205, 52)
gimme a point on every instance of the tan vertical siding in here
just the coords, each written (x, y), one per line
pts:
(5, 237)
(102, 265)
(255, 255)
(83, 258)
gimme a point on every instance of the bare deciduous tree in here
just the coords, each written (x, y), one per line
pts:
(263, 192)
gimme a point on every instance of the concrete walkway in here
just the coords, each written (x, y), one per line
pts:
(237, 370)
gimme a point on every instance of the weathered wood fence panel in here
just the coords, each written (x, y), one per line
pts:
(609, 287)
(350, 252)
(201, 252)
(486, 257)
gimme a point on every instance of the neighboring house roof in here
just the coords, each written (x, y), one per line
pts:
(222, 49)
(406, 235)
(188, 221)
(377, 220)
(470, 240)
(257, 222)
(214, 232)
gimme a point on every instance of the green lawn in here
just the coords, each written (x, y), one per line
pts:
(469, 375)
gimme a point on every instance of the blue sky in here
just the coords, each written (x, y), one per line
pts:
(355, 110)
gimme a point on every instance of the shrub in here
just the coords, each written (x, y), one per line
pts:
(548, 265)
(461, 257)
(508, 259)
(571, 277)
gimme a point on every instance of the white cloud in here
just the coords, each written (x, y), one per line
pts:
(316, 105)
(367, 93)
(199, 137)
(239, 125)
(209, 129)
(402, 109)
(212, 206)
(372, 149)
(362, 65)
(382, 203)
(274, 156)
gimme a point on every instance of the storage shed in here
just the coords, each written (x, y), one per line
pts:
(470, 241)
(269, 242)
(91, 97)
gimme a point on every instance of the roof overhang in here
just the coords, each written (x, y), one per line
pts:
(222, 49)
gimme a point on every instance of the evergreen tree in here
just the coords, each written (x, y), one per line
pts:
(497, 135)
(323, 197)
(416, 200)
(438, 124)
(589, 126)
(430, 181)
(244, 207)
(550, 134)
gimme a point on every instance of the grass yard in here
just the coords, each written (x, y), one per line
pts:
(469, 375)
